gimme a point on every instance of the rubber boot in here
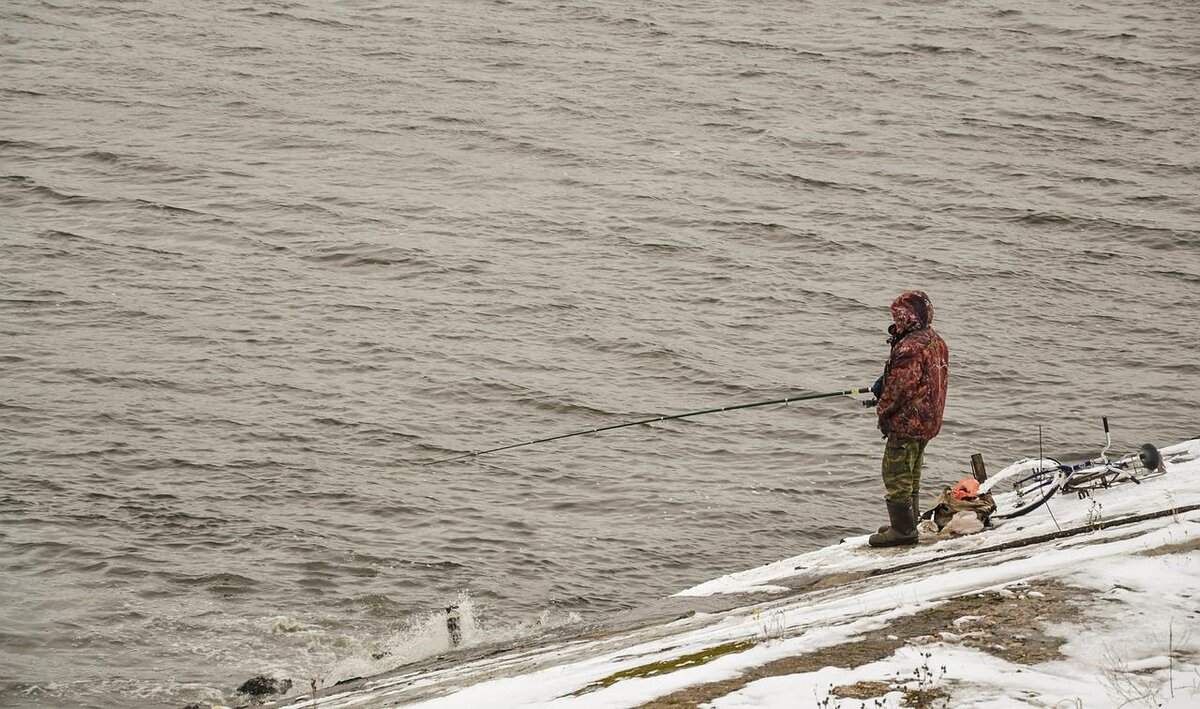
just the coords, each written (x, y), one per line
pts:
(916, 513)
(903, 529)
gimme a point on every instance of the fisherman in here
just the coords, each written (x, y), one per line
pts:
(911, 396)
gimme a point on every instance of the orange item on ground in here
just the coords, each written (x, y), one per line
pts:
(966, 489)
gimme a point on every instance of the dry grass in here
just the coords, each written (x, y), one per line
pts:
(1179, 548)
(861, 690)
(1009, 625)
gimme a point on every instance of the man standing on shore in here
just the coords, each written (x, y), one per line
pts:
(911, 398)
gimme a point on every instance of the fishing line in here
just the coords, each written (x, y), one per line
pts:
(656, 419)
(1042, 457)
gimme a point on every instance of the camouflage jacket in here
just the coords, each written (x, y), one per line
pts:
(914, 386)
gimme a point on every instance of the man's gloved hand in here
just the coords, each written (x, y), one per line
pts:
(876, 391)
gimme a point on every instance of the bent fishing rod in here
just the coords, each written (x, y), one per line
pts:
(656, 419)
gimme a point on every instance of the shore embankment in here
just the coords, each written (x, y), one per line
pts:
(1090, 602)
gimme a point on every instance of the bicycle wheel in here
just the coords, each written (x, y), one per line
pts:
(1023, 486)
(1094, 477)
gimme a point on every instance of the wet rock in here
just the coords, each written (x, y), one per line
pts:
(264, 686)
(454, 624)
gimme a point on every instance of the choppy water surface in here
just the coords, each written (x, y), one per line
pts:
(260, 262)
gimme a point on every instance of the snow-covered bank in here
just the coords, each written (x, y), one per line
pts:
(1105, 618)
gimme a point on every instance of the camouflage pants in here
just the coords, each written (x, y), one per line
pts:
(902, 461)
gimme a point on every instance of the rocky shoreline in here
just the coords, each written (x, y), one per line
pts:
(1089, 605)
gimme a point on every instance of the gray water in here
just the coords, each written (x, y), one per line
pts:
(261, 262)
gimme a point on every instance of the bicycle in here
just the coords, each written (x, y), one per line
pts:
(1028, 484)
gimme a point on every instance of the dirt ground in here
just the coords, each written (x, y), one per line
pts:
(1010, 624)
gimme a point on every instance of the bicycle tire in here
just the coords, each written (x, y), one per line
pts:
(1025, 486)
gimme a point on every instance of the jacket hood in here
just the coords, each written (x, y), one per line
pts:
(912, 311)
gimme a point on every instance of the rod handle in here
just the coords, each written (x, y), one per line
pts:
(1105, 419)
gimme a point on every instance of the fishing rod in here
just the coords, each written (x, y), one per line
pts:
(656, 419)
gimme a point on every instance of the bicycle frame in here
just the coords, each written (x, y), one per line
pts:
(1030, 483)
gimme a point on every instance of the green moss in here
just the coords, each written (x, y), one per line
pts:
(682, 662)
